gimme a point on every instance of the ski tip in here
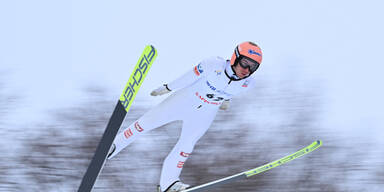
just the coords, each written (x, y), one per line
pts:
(151, 47)
(319, 142)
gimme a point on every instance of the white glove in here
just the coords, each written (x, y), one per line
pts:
(224, 105)
(161, 90)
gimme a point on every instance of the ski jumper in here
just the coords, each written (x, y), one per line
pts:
(199, 95)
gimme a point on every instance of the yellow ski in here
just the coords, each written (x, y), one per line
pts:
(257, 170)
(118, 115)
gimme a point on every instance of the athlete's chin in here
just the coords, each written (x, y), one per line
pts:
(243, 75)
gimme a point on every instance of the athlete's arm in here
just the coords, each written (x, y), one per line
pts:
(191, 76)
(183, 81)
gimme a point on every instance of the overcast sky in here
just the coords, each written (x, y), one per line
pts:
(50, 51)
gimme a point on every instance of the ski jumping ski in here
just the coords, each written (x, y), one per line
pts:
(257, 170)
(122, 107)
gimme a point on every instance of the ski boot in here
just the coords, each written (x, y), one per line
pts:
(175, 187)
(111, 151)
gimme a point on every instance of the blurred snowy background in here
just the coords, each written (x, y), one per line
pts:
(63, 64)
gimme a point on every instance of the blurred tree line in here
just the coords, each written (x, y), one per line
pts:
(262, 126)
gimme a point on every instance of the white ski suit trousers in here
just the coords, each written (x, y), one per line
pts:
(184, 105)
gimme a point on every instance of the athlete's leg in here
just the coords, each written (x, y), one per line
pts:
(165, 112)
(193, 129)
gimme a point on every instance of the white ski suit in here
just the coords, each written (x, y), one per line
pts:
(200, 92)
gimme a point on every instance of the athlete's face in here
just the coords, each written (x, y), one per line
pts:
(242, 69)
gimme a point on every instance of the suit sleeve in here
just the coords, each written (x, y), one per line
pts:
(190, 76)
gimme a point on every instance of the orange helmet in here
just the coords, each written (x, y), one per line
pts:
(249, 50)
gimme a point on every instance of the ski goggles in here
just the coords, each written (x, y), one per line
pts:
(252, 65)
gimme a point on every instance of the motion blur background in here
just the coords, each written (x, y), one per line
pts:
(63, 65)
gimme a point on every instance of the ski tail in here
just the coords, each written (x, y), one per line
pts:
(122, 107)
(257, 170)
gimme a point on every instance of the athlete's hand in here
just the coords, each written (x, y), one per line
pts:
(160, 91)
(224, 105)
